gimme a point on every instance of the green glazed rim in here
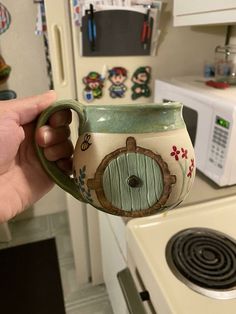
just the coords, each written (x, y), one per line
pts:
(133, 118)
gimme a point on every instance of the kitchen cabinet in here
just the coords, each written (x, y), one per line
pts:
(204, 12)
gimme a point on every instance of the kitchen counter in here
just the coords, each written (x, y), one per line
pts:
(204, 190)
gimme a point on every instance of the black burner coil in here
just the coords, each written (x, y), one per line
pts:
(204, 257)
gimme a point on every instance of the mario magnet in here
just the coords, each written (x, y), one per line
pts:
(141, 78)
(93, 86)
(117, 77)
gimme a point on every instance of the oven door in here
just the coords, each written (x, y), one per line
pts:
(132, 296)
(136, 296)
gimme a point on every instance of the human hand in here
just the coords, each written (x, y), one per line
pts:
(22, 178)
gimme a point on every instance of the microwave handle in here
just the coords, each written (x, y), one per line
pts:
(130, 292)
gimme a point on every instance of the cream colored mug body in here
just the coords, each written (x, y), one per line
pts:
(130, 160)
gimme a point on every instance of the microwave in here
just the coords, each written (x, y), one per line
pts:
(210, 118)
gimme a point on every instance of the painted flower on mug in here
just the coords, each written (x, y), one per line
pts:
(184, 153)
(186, 167)
(191, 167)
(175, 152)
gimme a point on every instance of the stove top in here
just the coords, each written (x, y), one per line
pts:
(205, 260)
(187, 257)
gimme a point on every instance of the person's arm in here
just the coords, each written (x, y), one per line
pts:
(22, 178)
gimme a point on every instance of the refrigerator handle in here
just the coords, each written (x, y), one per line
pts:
(61, 48)
(59, 54)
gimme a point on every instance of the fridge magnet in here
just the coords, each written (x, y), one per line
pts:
(141, 79)
(93, 86)
(5, 18)
(117, 77)
(41, 24)
(5, 70)
(76, 12)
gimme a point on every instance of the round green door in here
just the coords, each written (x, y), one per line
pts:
(133, 182)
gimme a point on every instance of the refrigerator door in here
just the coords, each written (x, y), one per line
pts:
(92, 225)
(62, 60)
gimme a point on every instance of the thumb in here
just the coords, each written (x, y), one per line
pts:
(27, 109)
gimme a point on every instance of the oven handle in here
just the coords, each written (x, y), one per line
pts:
(130, 292)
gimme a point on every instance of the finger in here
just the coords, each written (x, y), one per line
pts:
(47, 136)
(65, 165)
(28, 109)
(59, 151)
(60, 118)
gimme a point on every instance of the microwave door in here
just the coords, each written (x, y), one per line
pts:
(198, 117)
(219, 166)
(190, 117)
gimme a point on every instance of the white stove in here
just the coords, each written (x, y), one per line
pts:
(186, 258)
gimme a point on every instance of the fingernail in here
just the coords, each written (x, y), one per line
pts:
(46, 137)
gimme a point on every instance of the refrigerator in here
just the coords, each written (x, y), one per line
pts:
(73, 59)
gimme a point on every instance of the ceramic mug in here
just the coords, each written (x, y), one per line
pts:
(130, 160)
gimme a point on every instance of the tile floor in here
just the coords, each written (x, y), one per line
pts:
(87, 299)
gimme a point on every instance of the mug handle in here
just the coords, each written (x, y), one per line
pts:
(58, 176)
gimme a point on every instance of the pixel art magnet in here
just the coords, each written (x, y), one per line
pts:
(117, 77)
(93, 86)
(141, 79)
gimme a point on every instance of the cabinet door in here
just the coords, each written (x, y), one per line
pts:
(113, 261)
(193, 7)
(203, 12)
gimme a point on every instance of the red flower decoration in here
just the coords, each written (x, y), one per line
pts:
(192, 162)
(184, 153)
(191, 167)
(175, 152)
(190, 172)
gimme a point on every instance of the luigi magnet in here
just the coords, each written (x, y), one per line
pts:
(141, 78)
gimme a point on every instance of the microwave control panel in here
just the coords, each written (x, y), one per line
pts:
(219, 142)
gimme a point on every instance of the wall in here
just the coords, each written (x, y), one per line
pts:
(233, 36)
(183, 50)
(23, 50)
